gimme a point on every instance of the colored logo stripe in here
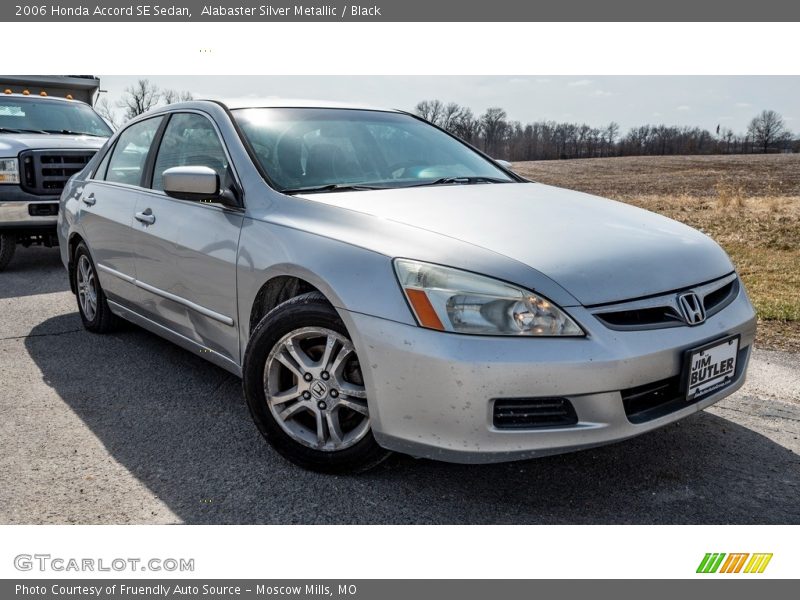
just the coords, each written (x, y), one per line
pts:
(733, 564)
(758, 563)
(710, 563)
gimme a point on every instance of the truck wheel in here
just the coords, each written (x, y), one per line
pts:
(92, 305)
(304, 387)
(8, 244)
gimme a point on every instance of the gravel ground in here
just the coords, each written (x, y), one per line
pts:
(128, 428)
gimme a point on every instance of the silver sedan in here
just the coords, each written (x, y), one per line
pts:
(380, 285)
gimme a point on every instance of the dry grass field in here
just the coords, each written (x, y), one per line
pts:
(749, 204)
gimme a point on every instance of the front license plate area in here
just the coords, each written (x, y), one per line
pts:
(710, 368)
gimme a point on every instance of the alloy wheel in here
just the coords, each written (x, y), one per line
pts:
(315, 390)
(87, 287)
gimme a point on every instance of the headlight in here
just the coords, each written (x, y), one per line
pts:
(9, 170)
(453, 300)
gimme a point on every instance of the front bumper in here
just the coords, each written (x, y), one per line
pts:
(16, 206)
(431, 394)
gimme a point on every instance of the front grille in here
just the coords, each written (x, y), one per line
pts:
(717, 300)
(643, 318)
(663, 311)
(533, 413)
(45, 172)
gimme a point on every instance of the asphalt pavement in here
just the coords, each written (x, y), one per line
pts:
(128, 428)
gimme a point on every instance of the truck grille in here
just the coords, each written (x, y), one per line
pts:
(45, 172)
(533, 413)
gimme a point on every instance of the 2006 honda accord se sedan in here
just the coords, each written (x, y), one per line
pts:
(380, 285)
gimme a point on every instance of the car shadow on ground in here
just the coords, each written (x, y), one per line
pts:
(181, 427)
(34, 270)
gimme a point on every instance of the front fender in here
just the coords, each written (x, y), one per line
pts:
(68, 226)
(352, 278)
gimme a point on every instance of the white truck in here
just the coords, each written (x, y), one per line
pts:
(48, 132)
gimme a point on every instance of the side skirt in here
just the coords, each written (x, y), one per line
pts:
(176, 338)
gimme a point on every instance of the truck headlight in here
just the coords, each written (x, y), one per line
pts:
(450, 299)
(9, 170)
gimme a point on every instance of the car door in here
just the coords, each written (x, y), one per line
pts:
(107, 206)
(186, 251)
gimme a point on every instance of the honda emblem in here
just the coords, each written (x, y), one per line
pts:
(692, 308)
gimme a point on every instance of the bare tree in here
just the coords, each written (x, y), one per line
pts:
(467, 127)
(430, 110)
(726, 134)
(610, 136)
(173, 96)
(104, 109)
(451, 115)
(493, 123)
(139, 98)
(766, 129)
(169, 96)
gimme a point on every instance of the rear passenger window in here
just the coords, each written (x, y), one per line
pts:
(190, 140)
(130, 153)
(100, 172)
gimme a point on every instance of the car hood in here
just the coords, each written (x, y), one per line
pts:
(599, 250)
(12, 144)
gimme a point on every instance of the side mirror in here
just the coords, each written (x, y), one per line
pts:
(503, 163)
(198, 184)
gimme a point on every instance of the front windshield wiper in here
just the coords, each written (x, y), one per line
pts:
(70, 132)
(333, 187)
(15, 130)
(351, 187)
(461, 181)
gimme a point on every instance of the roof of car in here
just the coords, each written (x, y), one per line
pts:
(38, 97)
(258, 103)
(274, 102)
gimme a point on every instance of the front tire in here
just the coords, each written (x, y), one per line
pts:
(305, 391)
(92, 304)
(8, 244)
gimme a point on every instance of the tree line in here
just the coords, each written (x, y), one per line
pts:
(497, 135)
(500, 137)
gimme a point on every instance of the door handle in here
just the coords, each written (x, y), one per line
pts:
(146, 216)
(89, 200)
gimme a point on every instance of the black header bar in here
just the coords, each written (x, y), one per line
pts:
(403, 11)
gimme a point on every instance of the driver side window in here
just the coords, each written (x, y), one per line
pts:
(190, 140)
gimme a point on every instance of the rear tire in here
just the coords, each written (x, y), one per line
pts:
(92, 304)
(8, 244)
(304, 388)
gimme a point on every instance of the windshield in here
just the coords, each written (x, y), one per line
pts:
(305, 148)
(33, 115)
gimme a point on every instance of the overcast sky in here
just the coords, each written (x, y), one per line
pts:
(705, 101)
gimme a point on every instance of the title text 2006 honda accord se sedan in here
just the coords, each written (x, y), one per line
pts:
(380, 285)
